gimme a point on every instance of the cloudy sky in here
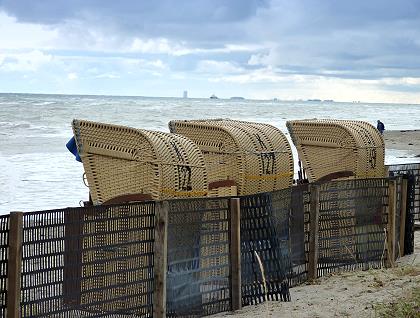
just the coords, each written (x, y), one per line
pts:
(366, 50)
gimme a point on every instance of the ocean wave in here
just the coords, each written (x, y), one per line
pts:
(45, 103)
(15, 125)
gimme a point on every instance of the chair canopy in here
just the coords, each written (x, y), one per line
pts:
(256, 156)
(121, 160)
(328, 147)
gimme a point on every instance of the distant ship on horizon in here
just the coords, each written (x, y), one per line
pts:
(214, 97)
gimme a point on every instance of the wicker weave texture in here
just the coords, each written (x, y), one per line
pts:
(256, 156)
(121, 160)
(117, 259)
(329, 146)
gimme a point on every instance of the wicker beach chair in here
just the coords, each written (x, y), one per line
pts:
(328, 147)
(257, 157)
(340, 149)
(120, 161)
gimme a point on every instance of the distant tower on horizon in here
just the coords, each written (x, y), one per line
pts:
(185, 94)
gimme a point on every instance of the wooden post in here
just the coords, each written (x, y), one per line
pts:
(313, 232)
(72, 271)
(160, 258)
(404, 185)
(14, 264)
(392, 207)
(235, 253)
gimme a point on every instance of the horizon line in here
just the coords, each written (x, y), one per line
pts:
(274, 99)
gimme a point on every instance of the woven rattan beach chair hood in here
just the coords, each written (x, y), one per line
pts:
(256, 156)
(121, 160)
(328, 147)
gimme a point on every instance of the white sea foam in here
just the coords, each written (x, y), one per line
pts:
(39, 173)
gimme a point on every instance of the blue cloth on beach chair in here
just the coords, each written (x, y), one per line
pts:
(71, 146)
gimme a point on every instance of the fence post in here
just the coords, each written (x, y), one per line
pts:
(313, 232)
(392, 207)
(14, 264)
(160, 259)
(404, 185)
(235, 253)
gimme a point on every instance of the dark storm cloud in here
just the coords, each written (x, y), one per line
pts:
(134, 12)
(176, 19)
(349, 39)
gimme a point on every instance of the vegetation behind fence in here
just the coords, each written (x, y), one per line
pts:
(195, 257)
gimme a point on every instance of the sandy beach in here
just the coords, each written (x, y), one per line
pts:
(348, 294)
(352, 294)
(407, 140)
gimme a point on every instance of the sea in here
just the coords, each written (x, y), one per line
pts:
(37, 172)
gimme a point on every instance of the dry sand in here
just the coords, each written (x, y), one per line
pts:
(351, 294)
(348, 294)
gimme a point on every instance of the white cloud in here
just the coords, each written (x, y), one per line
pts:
(15, 35)
(407, 81)
(255, 76)
(218, 67)
(72, 76)
(152, 46)
(158, 64)
(24, 62)
(110, 76)
(181, 48)
(139, 64)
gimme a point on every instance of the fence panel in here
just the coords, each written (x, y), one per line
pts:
(299, 234)
(4, 251)
(265, 250)
(409, 218)
(352, 223)
(198, 257)
(411, 169)
(88, 262)
(398, 214)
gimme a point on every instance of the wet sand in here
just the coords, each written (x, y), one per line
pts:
(407, 140)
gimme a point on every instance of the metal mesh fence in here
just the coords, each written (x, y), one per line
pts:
(299, 234)
(412, 169)
(398, 206)
(265, 251)
(198, 257)
(98, 261)
(4, 251)
(88, 262)
(409, 220)
(352, 224)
